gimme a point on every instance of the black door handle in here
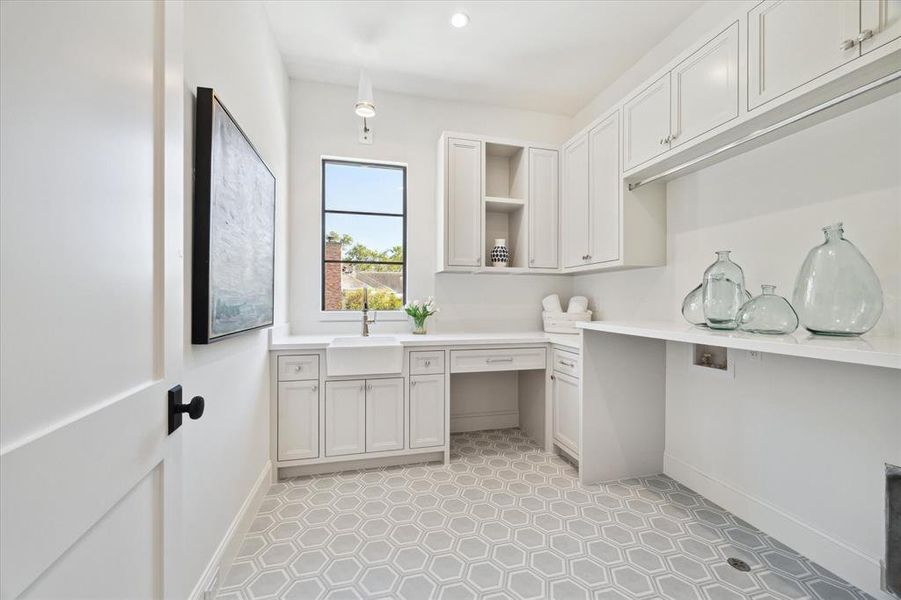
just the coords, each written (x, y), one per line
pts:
(176, 407)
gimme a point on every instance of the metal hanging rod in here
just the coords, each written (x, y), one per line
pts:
(779, 125)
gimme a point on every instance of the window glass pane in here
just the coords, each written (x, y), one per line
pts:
(344, 283)
(364, 188)
(364, 237)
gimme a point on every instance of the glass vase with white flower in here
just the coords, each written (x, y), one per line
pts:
(420, 311)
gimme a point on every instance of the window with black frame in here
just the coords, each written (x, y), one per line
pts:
(364, 235)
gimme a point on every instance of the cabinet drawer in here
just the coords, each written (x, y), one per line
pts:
(497, 359)
(298, 368)
(566, 362)
(427, 363)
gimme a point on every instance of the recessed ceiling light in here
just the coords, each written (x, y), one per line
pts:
(459, 20)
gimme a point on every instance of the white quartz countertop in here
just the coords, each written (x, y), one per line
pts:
(287, 341)
(876, 351)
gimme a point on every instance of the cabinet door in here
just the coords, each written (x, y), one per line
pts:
(791, 43)
(298, 420)
(345, 417)
(605, 188)
(574, 233)
(880, 23)
(464, 203)
(543, 207)
(427, 411)
(646, 126)
(384, 414)
(705, 88)
(566, 412)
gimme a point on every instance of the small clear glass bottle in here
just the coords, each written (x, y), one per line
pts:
(837, 292)
(768, 313)
(723, 290)
(693, 306)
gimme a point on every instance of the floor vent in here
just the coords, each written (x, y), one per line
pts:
(739, 564)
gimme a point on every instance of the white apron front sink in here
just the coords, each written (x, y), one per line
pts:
(358, 355)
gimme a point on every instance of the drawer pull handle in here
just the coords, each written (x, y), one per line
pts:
(499, 360)
(568, 364)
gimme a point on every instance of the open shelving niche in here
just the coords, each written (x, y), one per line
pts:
(504, 203)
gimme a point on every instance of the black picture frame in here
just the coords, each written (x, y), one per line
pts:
(207, 323)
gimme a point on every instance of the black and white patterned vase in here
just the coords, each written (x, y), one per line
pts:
(499, 254)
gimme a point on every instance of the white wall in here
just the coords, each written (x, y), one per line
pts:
(794, 446)
(228, 47)
(406, 130)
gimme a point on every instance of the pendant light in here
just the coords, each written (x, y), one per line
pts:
(365, 106)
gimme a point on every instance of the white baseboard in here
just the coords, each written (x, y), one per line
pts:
(481, 422)
(352, 464)
(228, 548)
(856, 567)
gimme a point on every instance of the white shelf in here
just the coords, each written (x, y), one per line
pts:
(504, 205)
(875, 351)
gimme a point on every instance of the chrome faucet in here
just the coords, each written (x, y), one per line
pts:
(366, 320)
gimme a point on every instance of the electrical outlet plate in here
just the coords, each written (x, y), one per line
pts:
(755, 355)
(714, 360)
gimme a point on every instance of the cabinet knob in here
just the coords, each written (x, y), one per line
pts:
(848, 44)
(673, 137)
(864, 35)
(553, 378)
(298, 368)
(428, 363)
(315, 387)
(413, 383)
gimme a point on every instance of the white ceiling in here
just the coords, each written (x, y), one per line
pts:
(540, 55)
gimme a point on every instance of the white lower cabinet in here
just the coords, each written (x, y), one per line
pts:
(427, 411)
(384, 414)
(345, 417)
(298, 420)
(566, 412)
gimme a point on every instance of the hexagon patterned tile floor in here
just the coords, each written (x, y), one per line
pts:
(506, 520)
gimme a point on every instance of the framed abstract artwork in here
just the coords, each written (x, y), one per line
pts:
(234, 228)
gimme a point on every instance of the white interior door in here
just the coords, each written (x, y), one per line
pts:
(91, 307)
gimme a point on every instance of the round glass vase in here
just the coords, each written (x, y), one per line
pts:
(693, 306)
(768, 313)
(723, 292)
(837, 292)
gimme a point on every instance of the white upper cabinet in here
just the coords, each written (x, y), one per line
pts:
(543, 207)
(880, 23)
(464, 202)
(605, 185)
(705, 88)
(345, 417)
(791, 43)
(384, 414)
(576, 238)
(646, 123)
